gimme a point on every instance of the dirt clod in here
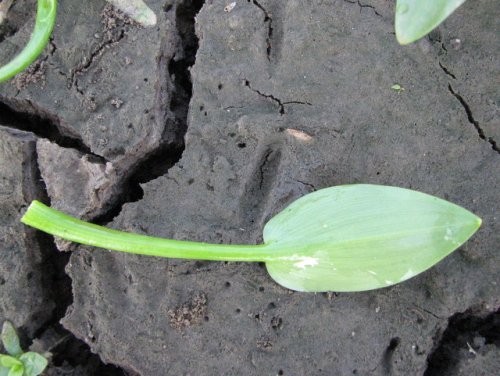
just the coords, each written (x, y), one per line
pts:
(264, 344)
(189, 313)
(35, 73)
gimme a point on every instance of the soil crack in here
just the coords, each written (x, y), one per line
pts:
(94, 55)
(361, 6)
(469, 332)
(166, 155)
(66, 348)
(24, 116)
(281, 104)
(155, 165)
(447, 71)
(115, 24)
(428, 312)
(262, 168)
(269, 20)
(311, 186)
(473, 121)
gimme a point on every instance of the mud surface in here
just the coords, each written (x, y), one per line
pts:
(203, 128)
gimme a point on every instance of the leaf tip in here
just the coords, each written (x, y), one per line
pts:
(10, 339)
(479, 222)
(403, 38)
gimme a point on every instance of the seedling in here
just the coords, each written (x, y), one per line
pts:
(344, 238)
(397, 87)
(17, 362)
(417, 18)
(44, 24)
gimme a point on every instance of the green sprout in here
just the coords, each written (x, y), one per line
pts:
(17, 362)
(416, 18)
(397, 87)
(344, 238)
(44, 24)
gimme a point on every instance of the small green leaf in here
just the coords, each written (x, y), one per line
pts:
(362, 237)
(34, 363)
(416, 18)
(9, 361)
(10, 339)
(17, 370)
(397, 87)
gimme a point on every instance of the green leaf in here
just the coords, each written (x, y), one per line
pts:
(10, 339)
(34, 363)
(346, 238)
(9, 361)
(362, 237)
(4, 371)
(17, 370)
(397, 87)
(416, 18)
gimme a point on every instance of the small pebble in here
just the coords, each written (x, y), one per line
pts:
(456, 43)
(228, 8)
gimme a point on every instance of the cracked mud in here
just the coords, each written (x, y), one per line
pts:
(203, 128)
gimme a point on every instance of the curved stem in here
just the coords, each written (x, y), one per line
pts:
(44, 23)
(64, 226)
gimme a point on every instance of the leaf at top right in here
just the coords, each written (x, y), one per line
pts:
(416, 18)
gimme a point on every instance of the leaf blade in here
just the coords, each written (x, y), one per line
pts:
(17, 370)
(10, 339)
(4, 371)
(9, 361)
(362, 237)
(34, 363)
(416, 18)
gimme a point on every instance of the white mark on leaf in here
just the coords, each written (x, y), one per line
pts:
(303, 261)
(449, 237)
(410, 273)
(306, 261)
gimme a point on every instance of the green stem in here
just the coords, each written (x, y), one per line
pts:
(44, 23)
(66, 227)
